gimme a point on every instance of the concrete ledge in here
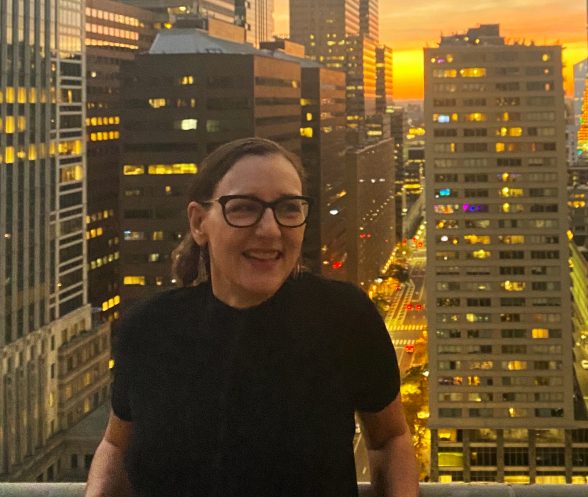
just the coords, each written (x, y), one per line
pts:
(427, 490)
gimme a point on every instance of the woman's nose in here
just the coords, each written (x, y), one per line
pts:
(268, 225)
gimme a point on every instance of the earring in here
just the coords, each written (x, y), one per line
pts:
(297, 271)
(202, 269)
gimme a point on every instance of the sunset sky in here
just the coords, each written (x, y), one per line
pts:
(409, 25)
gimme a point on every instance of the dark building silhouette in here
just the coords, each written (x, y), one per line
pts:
(371, 238)
(323, 130)
(115, 32)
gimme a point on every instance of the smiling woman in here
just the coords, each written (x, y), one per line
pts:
(245, 381)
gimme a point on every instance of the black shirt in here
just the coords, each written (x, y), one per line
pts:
(254, 402)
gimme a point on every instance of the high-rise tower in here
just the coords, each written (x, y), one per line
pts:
(54, 367)
(322, 26)
(502, 381)
(257, 17)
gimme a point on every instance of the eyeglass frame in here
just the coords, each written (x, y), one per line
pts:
(222, 200)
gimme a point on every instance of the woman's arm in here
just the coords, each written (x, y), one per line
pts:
(107, 477)
(391, 454)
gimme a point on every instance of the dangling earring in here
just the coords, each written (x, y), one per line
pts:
(202, 269)
(297, 271)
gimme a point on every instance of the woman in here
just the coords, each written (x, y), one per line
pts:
(244, 382)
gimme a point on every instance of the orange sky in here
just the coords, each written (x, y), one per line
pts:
(408, 26)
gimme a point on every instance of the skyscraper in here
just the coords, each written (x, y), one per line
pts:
(502, 378)
(322, 27)
(335, 34)
(43, 295)
(115, 32)
(257, 17)
(369, 18)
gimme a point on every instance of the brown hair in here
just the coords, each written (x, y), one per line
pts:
(190, 263)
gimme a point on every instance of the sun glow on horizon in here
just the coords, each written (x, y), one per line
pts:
(411, 28)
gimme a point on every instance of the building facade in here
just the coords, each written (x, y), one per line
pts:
(501, 369)
(170, 10)
(369, 18)
(384, 82)
(115, 32)
(43, 298)
(322, 27)
(257, 17)
(370, 210)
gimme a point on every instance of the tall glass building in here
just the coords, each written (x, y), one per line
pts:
(47, 337)
(41, 211)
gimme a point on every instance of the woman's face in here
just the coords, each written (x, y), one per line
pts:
(248, 265)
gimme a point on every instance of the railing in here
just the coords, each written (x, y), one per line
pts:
(427, 490)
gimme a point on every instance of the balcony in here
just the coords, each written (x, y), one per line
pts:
(427, 490)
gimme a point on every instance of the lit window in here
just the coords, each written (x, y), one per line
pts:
(475, 239)
(472, 72)
(187, 80)
(445, 73)
(481, 254)
(306, 132)
(134, 280)
(130, 170)
(511, 192)
(188, 124)
(70, 173)
(474, 117)
(156, 103)
(179, 168)
(513, 286)
(133, 235)
(514, 365)
(540, 333)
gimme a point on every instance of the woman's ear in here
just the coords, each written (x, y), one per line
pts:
(196, 215)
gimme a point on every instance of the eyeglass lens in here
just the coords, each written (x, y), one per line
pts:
(246, 212)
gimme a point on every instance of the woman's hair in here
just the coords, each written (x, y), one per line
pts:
(190, 263)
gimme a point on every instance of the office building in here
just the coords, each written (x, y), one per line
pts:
(191, 93)
(369, 19)
(580, 73)
(322, 131)
(257, 17)
(170, 10)
(501, 384)
(370, 210)
(322, 26)
(398, 130)
(43, 298)
(115, 32)
(384, 83)
(361, 80)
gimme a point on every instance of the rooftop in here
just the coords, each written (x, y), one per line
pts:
(427, 490)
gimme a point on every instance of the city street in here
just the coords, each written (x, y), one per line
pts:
(406, 322)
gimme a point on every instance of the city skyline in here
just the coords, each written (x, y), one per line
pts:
(411, 27)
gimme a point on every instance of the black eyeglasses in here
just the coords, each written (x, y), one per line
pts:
(243, 211)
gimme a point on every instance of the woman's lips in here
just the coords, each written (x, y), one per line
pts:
(262, 255)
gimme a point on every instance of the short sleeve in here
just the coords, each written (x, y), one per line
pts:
(375, 377)
(120, 386)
